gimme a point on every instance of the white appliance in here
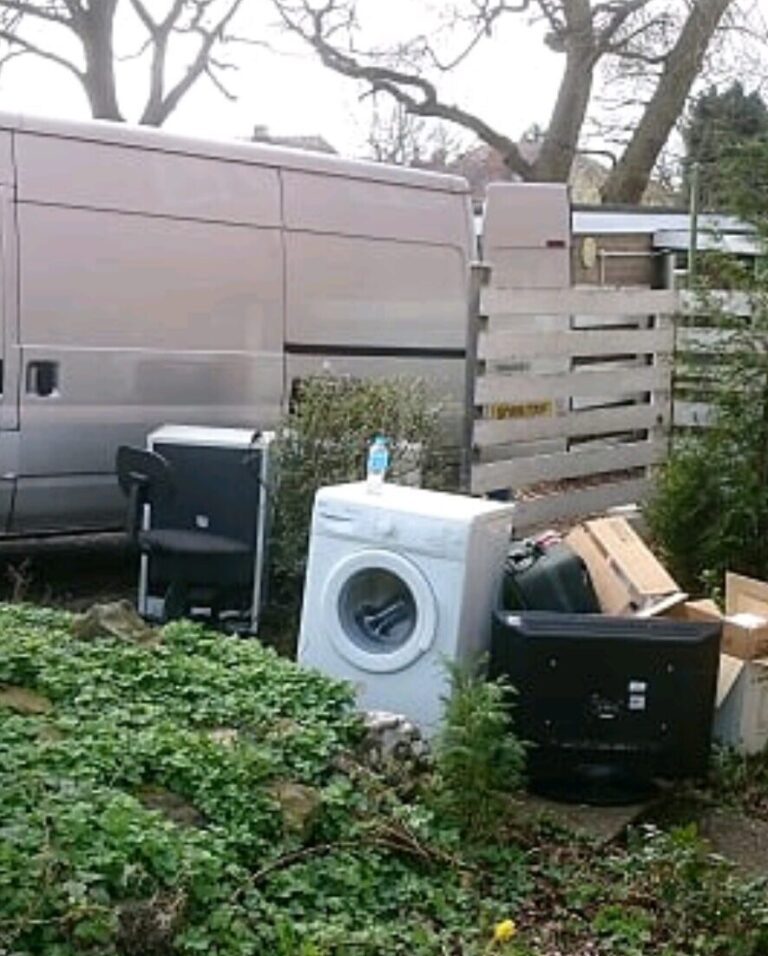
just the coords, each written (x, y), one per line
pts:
(397, 582)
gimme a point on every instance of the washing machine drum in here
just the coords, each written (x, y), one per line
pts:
(379, 611)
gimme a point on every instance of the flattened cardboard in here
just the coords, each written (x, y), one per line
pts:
(630, 556)
(727, 675)
(696, 611)
(663, 605)
(741, 713)
(626, 576)
(611, 592)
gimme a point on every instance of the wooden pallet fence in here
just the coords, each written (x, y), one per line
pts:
(570, 420)
(697, 336)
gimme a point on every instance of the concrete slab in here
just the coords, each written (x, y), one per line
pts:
(603, 824)
(742, 840)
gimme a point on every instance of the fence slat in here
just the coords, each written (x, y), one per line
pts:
(732, 302)
(701, 338)
(523, 472)
(625, 418)
(693, 414)
(598, 342)
(539, 512)
(530, 387)
(598, 301)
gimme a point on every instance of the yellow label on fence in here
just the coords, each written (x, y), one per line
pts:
(502, 410)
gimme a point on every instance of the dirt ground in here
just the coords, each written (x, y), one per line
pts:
(74, 573)
(68, 572)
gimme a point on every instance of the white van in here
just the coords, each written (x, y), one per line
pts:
(148, 278)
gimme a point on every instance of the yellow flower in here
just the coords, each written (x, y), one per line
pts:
(504, 931)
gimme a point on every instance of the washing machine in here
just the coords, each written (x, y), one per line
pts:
(398, 581)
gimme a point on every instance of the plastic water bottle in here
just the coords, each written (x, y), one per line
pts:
(378, 461)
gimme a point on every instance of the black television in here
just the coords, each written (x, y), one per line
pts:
(608, 705)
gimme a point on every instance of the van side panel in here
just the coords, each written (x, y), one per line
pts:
(374, 292)
(445, 378)
(146, 318)
(105, 280)
(70, 172)
(349, 206)
(152, 288)
(381, 269)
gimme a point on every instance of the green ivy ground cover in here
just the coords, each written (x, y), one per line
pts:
(143, 810)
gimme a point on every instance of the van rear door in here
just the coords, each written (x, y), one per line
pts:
(9, 334)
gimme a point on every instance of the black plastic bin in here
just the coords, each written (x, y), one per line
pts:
(551, 578)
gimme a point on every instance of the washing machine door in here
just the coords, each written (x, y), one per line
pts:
(379, 610)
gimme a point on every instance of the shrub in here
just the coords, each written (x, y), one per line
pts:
(479, 759)
(324, 441)
(710, 511)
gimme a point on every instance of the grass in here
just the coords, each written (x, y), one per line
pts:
(201, 795)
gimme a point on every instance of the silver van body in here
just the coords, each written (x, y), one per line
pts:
(150, 278)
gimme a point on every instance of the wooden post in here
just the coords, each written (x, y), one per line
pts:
(693, 239)
(479, 277)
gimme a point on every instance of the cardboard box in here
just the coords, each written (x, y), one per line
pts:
(627, 578)
(745, 628)
(741, 708)
(745, 636)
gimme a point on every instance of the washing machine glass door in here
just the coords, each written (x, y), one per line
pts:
(379, 610)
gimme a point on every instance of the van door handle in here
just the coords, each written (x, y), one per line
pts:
(42, 378)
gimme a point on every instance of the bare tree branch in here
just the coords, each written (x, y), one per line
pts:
(549, 11)
(39, 12)
(159, 35)
(619, 15)
(143, 15)
(631, 174)
(218, 82)
(645, 43)
(416, 94)
(24, 47)
(482, 21)
(156, 112)
(92, 25)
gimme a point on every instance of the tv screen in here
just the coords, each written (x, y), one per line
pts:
(608, 704)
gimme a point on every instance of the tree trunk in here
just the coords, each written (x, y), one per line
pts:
(99, 78)
(629, 178)
(554, 162)
(555, 159)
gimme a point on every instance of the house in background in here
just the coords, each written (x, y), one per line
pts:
(648, 246)
(313, 143)
(483, 164)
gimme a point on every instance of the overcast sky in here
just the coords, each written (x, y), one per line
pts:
(511, 81)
